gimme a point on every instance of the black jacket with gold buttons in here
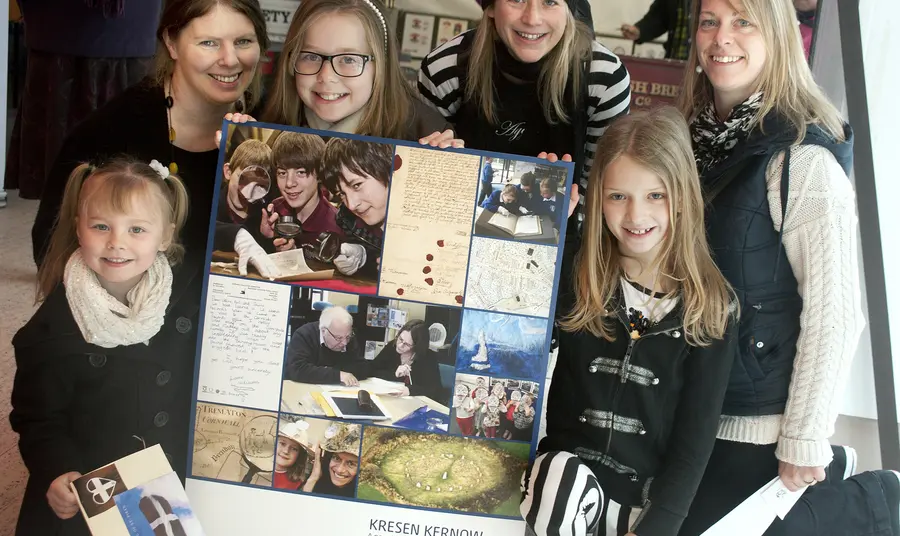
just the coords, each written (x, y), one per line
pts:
(78, 407)
(641, 413)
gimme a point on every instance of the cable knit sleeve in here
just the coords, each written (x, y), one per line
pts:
(820, 241)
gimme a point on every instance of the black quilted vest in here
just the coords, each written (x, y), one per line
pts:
(749, 252)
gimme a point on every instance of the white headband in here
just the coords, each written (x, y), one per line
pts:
(383, 22)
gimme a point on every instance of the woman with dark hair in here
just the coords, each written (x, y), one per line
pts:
(407, 359)
(206, 67)
(336, 462)
(171, 118)
(358, 172)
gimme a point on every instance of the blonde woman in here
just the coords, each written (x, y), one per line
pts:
(646, 346)
(773, 155)
(339, 71)
(530, 80)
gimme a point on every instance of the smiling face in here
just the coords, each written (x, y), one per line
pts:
(635, 208)
(529, 28)
(120, 246)
(731, 50)
(364, 195)
(286, 453)
(215, 56)
(297, 186)
(342, 468)
(328, 95)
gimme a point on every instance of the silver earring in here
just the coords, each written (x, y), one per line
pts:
(699, 69)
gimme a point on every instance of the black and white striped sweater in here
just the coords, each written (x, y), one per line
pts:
(442, 82)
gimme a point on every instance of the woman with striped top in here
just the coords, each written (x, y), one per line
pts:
(529, 80)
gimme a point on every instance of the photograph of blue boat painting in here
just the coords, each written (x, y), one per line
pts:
(501, 345)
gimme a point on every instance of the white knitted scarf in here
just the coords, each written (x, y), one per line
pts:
(107, 322)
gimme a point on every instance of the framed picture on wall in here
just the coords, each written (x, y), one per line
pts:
(417, 38)
(447, 29)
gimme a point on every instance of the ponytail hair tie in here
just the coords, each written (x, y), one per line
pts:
(160, 169)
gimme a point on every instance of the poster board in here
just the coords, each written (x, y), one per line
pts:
(433, 466)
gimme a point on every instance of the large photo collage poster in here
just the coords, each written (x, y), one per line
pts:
(374, 363)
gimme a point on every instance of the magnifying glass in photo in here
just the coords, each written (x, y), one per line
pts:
(253, 184)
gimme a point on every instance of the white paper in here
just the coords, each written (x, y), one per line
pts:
(243, 366)
(753, 516)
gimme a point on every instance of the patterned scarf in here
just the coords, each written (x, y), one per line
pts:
(107, 322)
(714, 140)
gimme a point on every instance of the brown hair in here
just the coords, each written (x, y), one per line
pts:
(562, 65)
(251, 153)
(389, 110)
(527, 179)
(294, 150)
(659, 141)
(177, 14)
(420, 337)
(510, 189)
(786, 82)
(123, 180)
(360, 157)
(550, 184)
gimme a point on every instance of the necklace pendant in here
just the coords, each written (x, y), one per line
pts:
(635, 335)
(173, 168)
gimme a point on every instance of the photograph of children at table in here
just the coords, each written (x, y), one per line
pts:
(337, 350)
(323, 222)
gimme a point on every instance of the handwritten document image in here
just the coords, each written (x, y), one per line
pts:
(511, 277)
(234, 444)
(429, 226)
(242, 353)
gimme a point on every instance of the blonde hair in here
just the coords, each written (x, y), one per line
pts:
(178, 14)
(562, 65)
(659, 141)
(389, 110)
(786, 82)
(251, 153)
(510, 189)
(123, 180)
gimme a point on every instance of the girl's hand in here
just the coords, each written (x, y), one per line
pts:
(551, 157)
(316, 472)
(443, 140)
(234, 118)
(267, 223)
(60, 496)
(573, 199)
(796, 477)
(284, 245)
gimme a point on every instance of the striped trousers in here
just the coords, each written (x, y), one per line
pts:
(561, 497)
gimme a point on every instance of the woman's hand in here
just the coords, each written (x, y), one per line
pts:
(61, 498)
(573, 199)
(551, 157)
(316, 472)
(443, 140)
(796, 477)
(403, 371)
(234, 118)
(403, 391)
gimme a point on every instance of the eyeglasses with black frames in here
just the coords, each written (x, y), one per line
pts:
(346, 65)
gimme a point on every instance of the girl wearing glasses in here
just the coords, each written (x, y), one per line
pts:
(407, 359)
(339, 71)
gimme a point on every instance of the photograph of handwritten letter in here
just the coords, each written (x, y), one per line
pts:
(243, 342)
(429, 226)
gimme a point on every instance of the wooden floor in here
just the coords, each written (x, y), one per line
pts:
(16, 292)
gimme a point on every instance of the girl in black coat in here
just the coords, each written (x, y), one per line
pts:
(408, 359)
(96, 365)
(646, 346)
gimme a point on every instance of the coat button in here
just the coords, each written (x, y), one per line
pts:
(592, 369)
(655, 381)
(676, 334)
(642, 432)
(163, 378)
(183, 325)
(97, 360)
(169, 457)
(161, 419)
(760, 344)
(582, 418)
(633, 478)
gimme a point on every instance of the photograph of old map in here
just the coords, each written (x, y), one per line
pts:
(510, 277)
